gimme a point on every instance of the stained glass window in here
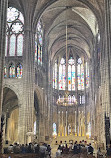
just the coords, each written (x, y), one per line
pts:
(69, 77)
(20, 45)
(62, 74)
(73, 77)
(80, 99)
(12, 45)
(87, 75)
(60, 77)
(54, 129)
(5, 72)
(12, 71)
(38, 43)
(80, 74)
(71, 74)
(83, 99)
(55, 75)
(15, 31)
(35, 47)
(76, 77)
(35, 127)
(19, 71)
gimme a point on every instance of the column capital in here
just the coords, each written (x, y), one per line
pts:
(28, 29)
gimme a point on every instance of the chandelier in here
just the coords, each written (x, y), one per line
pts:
(66, 100)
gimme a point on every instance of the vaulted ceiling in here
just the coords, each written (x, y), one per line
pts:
(83, 19)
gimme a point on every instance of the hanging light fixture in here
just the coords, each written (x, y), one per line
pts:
(67, 100)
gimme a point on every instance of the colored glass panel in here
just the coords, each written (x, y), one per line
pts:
(73, 77)
(71, 61)
(69, 77)
(12, 45)
(79, 76)
(82, 76)
(54, 129)
(39, 35)
(36, 47)
(62, 61)
(55, 75)
(87, 75)
(15, 22)
(39, 57)
(80, 99)
(83, 99)
(40, 39)
(12, 71)
(20, 45)
(19, 71)
(64, 76)
(12, 14)
(60, 77)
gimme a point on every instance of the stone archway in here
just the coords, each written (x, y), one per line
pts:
(10, 109)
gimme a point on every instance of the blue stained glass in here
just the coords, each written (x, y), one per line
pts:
(40, 39)
(69, 77)
(12, 71)
(19, 71)
(54, 129)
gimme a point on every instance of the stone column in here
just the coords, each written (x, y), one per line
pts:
(27, 108)
(76, 89)
(85, 112)
(106, 67)
(58, 123)
(66, 125)
(3, 21)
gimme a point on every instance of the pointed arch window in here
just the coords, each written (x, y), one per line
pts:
(55, 75)
(80, 74)
(14, 32)
(11, 71)
(71, 74)
(19, 71)
(39, 43)
(62, 74)
(19, 45)
(12, 45)
(54, 129)
(87, 75)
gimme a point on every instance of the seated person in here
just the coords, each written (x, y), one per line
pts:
(66, 149)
